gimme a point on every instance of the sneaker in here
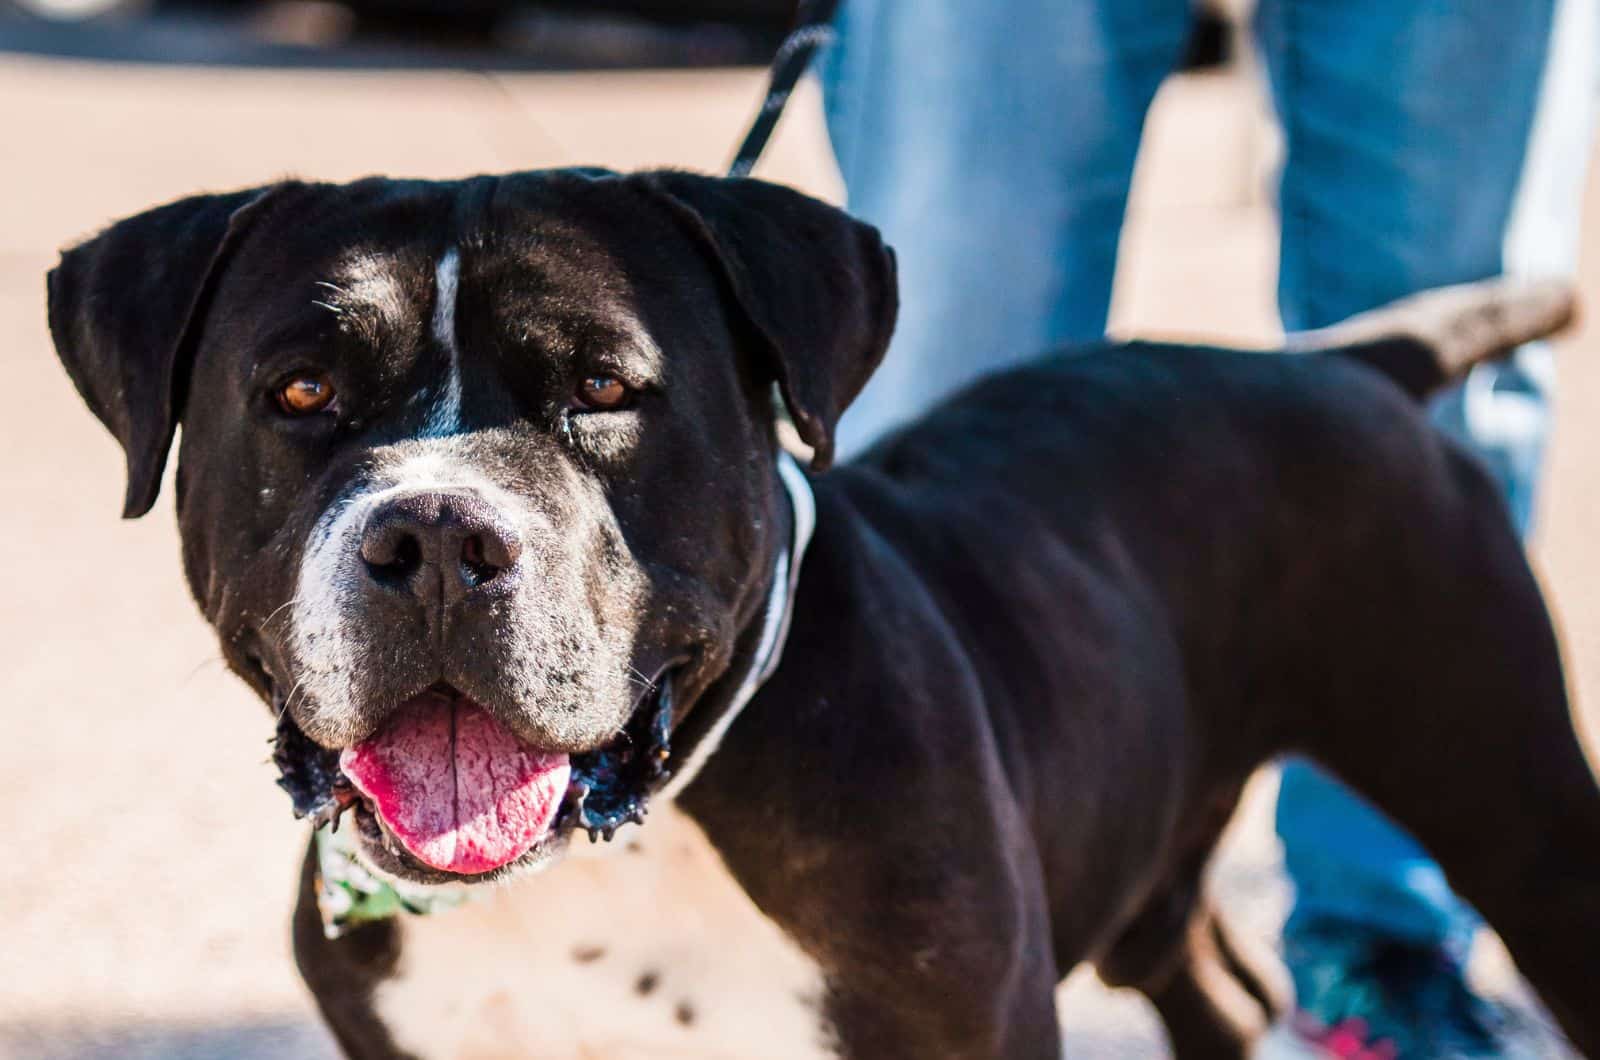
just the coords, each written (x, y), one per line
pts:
(1366, 997)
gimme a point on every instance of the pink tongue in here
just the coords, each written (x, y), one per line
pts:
(458, 790)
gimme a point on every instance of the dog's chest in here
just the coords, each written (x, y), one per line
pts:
(650, 950)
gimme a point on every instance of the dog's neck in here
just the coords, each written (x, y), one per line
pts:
(707, 731)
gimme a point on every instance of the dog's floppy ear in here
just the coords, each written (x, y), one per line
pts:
(124, 307)
(816, 287)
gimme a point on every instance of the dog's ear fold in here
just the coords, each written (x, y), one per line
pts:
(816, 287)
(124, 307)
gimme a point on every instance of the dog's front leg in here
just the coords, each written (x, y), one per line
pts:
(342, 973)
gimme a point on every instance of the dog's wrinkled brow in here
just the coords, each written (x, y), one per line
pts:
(367, 292)
(599, 333)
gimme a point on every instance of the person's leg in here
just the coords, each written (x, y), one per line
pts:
(993, 143)
(1427, 143)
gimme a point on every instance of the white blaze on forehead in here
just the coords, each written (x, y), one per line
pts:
(445, 416)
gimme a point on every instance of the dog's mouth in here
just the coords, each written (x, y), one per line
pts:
(445, 791)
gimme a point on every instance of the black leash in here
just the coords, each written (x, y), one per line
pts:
(813, 30)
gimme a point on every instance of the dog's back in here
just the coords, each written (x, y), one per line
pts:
(1170, 564)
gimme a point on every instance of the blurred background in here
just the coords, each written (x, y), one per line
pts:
(153, 861)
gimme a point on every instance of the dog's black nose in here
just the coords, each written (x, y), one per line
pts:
(445, 543)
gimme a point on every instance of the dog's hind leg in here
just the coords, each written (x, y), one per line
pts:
(1245, 962)
(1174, 953)
(1214, 1001)
(1438, 692)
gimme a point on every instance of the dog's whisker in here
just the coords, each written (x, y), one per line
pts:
(210, 660)
(292, 601)
(284, 709)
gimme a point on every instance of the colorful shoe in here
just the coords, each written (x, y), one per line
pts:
(1365, 997)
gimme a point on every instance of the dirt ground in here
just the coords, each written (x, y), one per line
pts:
(152, 858)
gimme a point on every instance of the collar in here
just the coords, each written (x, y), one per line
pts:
(774, 626)
(350, 893)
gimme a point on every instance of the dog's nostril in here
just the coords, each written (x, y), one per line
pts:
(392, 555)
(475, 566)
(407, 556)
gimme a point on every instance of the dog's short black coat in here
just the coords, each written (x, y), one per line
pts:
(1041, 639)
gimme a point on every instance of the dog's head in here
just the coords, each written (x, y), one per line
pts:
(476, 481)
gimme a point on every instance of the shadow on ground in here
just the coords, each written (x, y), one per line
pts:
(265, 1039)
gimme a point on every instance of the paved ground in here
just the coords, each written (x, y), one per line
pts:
(152, 858)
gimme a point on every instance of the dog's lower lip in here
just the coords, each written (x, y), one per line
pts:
(370, 826)
(367, 822)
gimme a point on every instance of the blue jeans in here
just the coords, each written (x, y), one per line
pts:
(993, 141)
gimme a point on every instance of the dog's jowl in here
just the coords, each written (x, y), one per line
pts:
(480, 487)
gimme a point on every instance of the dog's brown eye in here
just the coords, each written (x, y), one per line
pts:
(306, 393)
(603, 392)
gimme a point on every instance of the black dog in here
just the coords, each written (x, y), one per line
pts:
(479, 486)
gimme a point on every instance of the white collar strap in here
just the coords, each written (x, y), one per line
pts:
(774, 624)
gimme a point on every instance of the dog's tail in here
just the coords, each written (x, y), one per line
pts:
(1432, 338)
